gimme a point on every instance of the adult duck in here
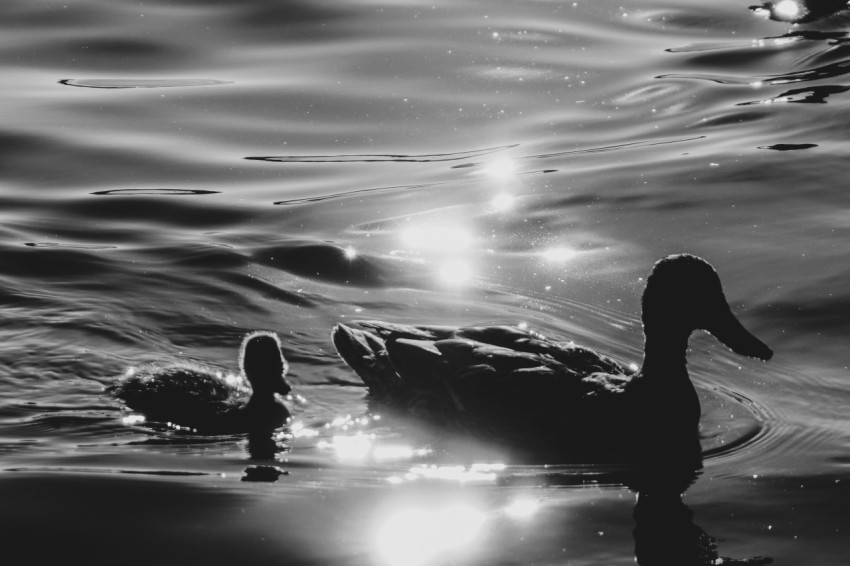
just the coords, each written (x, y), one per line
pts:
(514, 382)
(205, 401)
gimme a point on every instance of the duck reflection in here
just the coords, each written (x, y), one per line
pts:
(264, 446)
(799, 11)
(438, 519)
(665, 533)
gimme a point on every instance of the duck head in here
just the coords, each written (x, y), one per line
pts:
(683, 293)
(263, 363)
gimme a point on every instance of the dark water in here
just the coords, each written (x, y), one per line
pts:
(175, 174)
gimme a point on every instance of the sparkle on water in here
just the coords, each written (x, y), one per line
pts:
(455, 272)
(363, 447)
(133, 419)
(500, 169)
(522, 508)
(476, 473)
(558, 254)
(502, 202)
(418, 536)
(787, 9)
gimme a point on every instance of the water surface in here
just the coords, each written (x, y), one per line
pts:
(176, 174)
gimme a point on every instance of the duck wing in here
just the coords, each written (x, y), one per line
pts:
(165, 393)
(494, 372)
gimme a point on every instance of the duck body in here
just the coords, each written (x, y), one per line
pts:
(518, 385)
(498, 379)
(207, 402)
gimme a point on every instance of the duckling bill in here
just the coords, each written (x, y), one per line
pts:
(515, 382)
(199, 399)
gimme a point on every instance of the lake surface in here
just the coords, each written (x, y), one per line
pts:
(175, 174)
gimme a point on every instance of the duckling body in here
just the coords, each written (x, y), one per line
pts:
(204, 401)
(514, 382)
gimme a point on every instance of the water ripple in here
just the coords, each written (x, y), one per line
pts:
(617, 147)
(72, 246)
(788, 146)
(140, 83)
(825, 72)
(365, 158)
(154, 192)
(334, 264)
(808, 95)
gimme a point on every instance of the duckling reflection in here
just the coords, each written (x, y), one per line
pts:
(263, 474)
(799, 11)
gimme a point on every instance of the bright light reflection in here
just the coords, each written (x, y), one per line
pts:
(788, 9)
(416, 537)
(361, 447)
(437, 238)
(133, 419)
(394, 452)
(235, 381)
(522, 508)
(500, 168)
(455, 272)
(351, 448)
(558, 254)
(476, 473)
(300, 431)
(350, 253)
(502, 202)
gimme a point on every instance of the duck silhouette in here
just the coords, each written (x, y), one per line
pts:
(514, 383)
(204, 401)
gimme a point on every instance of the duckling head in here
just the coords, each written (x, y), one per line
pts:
(683, 293)
(263, 363)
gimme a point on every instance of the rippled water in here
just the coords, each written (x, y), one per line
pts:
(175, 174)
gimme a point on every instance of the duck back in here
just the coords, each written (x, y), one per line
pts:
(186, 396)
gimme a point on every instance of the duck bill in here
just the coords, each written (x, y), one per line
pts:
(283, 388)
(729, 330)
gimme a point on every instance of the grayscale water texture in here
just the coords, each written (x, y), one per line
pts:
(177, 173)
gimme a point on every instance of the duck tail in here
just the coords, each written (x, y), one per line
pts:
(366, 354)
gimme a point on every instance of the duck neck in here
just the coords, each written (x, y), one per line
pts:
(262, 400)
(664, 384)
(665, 355)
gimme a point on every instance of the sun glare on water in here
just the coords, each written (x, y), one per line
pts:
(502, 202)
(558, 254)
(522, 508)
(364, 447)
(787, 9)
(418, 536)
(500, 169)
(447, 246)
(455, 272)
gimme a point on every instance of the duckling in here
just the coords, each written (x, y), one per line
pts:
(199, 399)
(514, 382)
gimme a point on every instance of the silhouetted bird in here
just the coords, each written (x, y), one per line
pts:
(517, 384)
(208, 402)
